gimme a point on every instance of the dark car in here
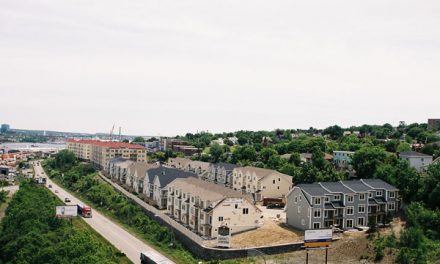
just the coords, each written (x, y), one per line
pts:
(275, 206)
(67, 200)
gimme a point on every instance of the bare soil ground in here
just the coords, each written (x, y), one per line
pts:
(270, 233)
(353, 247)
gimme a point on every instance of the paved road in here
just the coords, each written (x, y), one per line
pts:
(116, 235)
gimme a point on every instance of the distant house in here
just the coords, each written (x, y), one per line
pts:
(261, 183)
(342, 159)
(221, 173)
(417, 160)
(345, 204)
(219, 141)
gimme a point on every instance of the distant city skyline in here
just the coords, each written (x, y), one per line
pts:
(172, 67)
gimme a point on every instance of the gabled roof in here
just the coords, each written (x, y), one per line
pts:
(227, 166)
(262, 173)
(313, 189)
(413, 154)
(336, 187)
(167, 175)
(379, 184)
(356, 186)
(140, 168)
(206, 190)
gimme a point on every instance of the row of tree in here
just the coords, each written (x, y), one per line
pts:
(30, 233)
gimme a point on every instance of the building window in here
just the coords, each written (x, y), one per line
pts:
(317, 212)
(361, 208)
(337, 197)
(350, 210)
(220, 218)
(279, 179)
(379, 193)
(392, 194)
(278, 187)
(361, 221)
(245, 210)
(316, 225)
(362, 196)
(273, 181)
(236, 206)
(300, 197)
(349, 223)
(296, 199)
(317, 201)
(391, 207)
(325, 213)
(350, 198)
(327, 199)
(370, 195)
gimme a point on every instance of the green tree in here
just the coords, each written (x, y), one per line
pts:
(335, 132)
(216, 151)
(366, 160)
(138, 139)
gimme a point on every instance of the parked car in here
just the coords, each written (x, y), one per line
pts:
(67, 200)
(50, 185)
(275, 206)
(56, 191)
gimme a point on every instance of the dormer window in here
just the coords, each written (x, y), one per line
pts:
(317, 200)
(392, 194)
(379, 193)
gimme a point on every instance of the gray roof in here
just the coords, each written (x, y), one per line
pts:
(356, 186)
(167, 175)
(227, 166)
(379, 184)
(335, 187)
(413, 154)
(313, 189)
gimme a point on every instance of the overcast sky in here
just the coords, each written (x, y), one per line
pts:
(171, 67)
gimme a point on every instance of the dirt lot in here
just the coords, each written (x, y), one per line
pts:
(353, 247)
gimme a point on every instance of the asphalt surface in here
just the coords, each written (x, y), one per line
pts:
(116, 235)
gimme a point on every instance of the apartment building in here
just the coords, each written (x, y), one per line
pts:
(81, 148)
(204, 207)
(345, 204)
(221, 173)
(417, 160)
(156, 180)
(261, 183)
(100, 152)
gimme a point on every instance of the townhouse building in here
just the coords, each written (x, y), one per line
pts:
(261, 183)
(117, 169)
(100, 152)
(156, 180)
(136, 175)
(417, 160)
(221, 173)
(343, 204)
(203, 207)
(198, 167)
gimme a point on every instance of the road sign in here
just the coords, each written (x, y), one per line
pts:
(318, 238)
(224, 237)
(66, 211)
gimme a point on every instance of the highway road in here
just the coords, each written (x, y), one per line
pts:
(116, 235)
